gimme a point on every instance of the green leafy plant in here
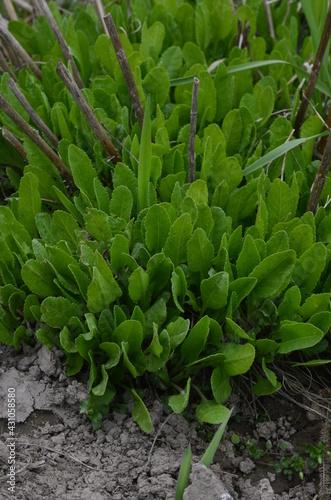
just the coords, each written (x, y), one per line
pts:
(278, 456)
(125, 266)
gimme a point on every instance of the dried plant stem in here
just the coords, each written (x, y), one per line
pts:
(124, 65)
(23, 5)
(33, 134)
(193, 129)
(5, 66)
(17, 48)
(14, 142)
(269, 19)
(320, 178)
(31, 112)
(88, 113)
(61, 41)
(11, 55)
(314, 74)
(101, 14)
(10, 10)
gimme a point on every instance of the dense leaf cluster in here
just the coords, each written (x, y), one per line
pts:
(134, 275)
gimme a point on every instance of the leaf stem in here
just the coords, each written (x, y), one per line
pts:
(193, 128)
(88, 113)
(314, 74)
(125, 68)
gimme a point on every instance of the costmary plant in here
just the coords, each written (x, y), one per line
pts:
(130, 270)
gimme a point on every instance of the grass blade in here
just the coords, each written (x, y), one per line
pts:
(277, 152)
(254, 65)
(232, 69)
(145, 159)
(211, 450)
(184, 473)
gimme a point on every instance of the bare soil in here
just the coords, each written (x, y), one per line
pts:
(60, 456)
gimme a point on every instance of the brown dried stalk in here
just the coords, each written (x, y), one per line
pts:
(31, 112)
(17, 48)
(34, 136)
(124, 65)
(11, 55)
(23, 5)
(88, 113)
(14, 142)
(193, 128)
(314, 74)
(10, 10)
(320, 178)
(101, 14)
(61, 41)
(269, 19)
(5, 66)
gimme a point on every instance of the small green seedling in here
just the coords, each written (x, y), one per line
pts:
(185, 468)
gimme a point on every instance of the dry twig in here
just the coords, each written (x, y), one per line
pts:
(52, 450)
(33, 134)
(101, 14)
(14, 142)
(314, 74)
(124, 65)
(320, 178)
(5, 66)
(24, 5)
(10, 10)
(88, 113)
(193, 128)
(269, 19)
(31, 112)
(17, 48)
(61, 41)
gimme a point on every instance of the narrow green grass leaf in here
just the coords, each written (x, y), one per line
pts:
(278, 152)
(145, 159)
(184, 473)
(231, 70)
(254, 65)
(212, 448)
